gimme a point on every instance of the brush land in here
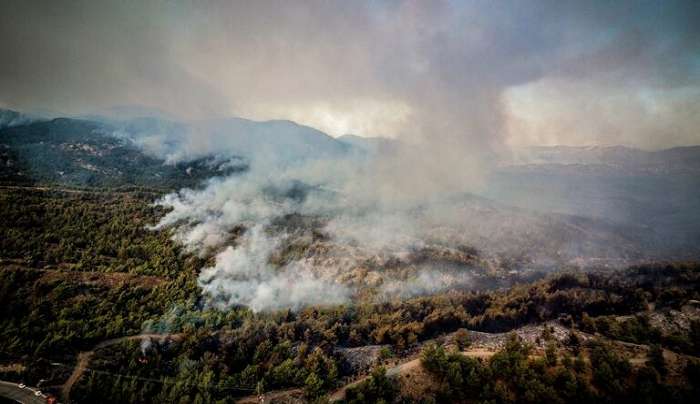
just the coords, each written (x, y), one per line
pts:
(96, 306)
(79, 268)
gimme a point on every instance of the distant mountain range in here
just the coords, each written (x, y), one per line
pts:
(275, 142)
(610, 158)
(652, 197)
(73, 152)
(658, 191)
(148, 151)
(9, 118)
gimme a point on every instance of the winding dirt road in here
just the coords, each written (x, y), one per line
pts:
(406, 367)
(270, 397)
(85, 357)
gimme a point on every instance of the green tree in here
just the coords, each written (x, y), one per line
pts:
(434, 358)
(313, 386)
(378, 388)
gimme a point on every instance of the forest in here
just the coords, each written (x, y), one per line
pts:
(81, 267)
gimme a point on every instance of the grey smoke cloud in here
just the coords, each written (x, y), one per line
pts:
(457, 82)
(244, 276)
(244, 273)
(362, 228)
(436, 72)
(425, 282)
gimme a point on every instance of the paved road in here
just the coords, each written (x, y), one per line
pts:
(24, 396)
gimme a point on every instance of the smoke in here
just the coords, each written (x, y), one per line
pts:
(266, 261)
(244, 276)
(206, 217)
(426, 282)
(440, 72)
(286, 234)
(10, 118)
(243, 273)
(450, 80)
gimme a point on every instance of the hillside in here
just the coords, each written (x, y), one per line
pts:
(94, 302)
(72, 152)
(9, 118)
(103, 306)
(623, 160)
(148, 151)
(617, 185)
(97, 306)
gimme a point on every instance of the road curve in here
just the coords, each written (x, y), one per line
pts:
(408, 366)
(84, 357)
(21, 395)
(391, 372)
(269, 397)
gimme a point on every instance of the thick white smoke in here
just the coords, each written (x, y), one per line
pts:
(364, 217)
(243, 275)
(358, 220)
(448, 68)
(425, 282)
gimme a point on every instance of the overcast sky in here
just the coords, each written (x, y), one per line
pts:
(481, 73)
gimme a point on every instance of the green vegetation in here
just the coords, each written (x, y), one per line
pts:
(81, 153)
(512, 376)
(81, 267)
(376, 389)
(88, 231)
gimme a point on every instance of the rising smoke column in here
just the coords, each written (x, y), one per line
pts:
(243, 274)
(334, 190)
(447, 67)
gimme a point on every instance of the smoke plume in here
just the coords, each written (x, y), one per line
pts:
(456, 83)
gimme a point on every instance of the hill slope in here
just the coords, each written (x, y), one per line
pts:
(149, 151)
(75, 152)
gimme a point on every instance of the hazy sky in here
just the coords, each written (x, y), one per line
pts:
(475, 73)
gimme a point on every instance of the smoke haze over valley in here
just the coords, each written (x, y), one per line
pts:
(293, 217)
(275, 195)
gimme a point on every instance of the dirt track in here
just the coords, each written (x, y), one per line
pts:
(84, 358)
(406, 367)
(270, 396)
(479, 353)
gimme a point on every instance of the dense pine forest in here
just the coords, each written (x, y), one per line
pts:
(80, 267)
(328, 201)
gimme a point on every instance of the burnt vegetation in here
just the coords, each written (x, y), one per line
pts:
(80, 267)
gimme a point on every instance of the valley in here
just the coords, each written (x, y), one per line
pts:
(101, 299)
